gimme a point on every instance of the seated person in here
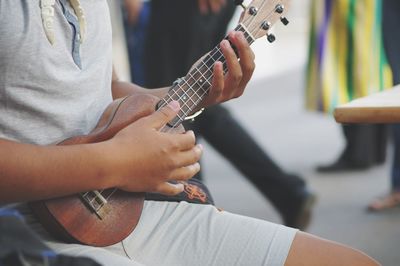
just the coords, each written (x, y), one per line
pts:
(56, 80)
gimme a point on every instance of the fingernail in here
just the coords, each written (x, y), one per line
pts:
(180, 187)
(196, 167)
(174, 105)
(200, 146)
(224, 43)
(191, 132)
(240, 35)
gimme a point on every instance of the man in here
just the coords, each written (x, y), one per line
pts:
(56, 80)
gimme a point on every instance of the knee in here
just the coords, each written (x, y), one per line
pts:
(310, 250)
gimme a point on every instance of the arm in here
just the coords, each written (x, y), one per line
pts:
(138, 158)
(33, 172)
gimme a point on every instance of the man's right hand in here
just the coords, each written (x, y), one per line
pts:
(144, 159)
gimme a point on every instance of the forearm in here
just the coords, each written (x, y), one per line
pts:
(30, 172)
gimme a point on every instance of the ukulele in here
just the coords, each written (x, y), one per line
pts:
(105, 217)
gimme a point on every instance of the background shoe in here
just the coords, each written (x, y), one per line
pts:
(300, 216)
(342, 166)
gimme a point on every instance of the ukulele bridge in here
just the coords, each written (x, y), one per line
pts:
(95, 202)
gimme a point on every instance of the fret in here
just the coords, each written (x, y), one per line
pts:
(184, 103)
(175, 95)
(201, 80)
(194, 103)
(170, 98)
(205, 77)
(216, 55)
(184, 96)
(209, 75)
(181, 118)
(249, 38)
(191, 77)
(193, 90)
(200, 76)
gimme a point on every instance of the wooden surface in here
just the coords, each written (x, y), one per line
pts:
(382, 107)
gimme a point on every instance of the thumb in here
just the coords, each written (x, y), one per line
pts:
(165, 114)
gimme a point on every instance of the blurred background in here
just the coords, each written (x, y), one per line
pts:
(273, 111)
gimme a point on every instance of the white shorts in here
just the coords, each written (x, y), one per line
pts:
(176, 234)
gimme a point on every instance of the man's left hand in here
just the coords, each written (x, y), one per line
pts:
(232, 84)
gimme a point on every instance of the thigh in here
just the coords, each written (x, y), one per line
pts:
(189, 234)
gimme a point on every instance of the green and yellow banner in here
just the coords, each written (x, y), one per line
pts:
(346, 54)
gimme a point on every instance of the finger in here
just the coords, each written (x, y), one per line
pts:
(186, 140)
(184, 173)
(169, 189)
(234, 74)
(189, 157)
(246, 57)
(163, 115)
(217, 82)
(239, 40)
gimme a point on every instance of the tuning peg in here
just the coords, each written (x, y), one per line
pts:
(253, 11)
(266, 25)
(284, 21)
(279, 8)
(239, 3)
(271, 38)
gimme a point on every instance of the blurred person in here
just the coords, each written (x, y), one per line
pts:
(178, 34)
(56, 79)
(136, 14)
(391, 37)
(346, 61)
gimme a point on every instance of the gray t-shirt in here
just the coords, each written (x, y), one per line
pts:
(44, 96)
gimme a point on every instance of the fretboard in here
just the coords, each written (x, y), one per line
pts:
(190, 90)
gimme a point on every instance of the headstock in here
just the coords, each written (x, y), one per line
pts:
(259, 16)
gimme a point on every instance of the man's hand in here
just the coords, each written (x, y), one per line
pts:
(144, 159)
(231, 85)
(214, 5)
